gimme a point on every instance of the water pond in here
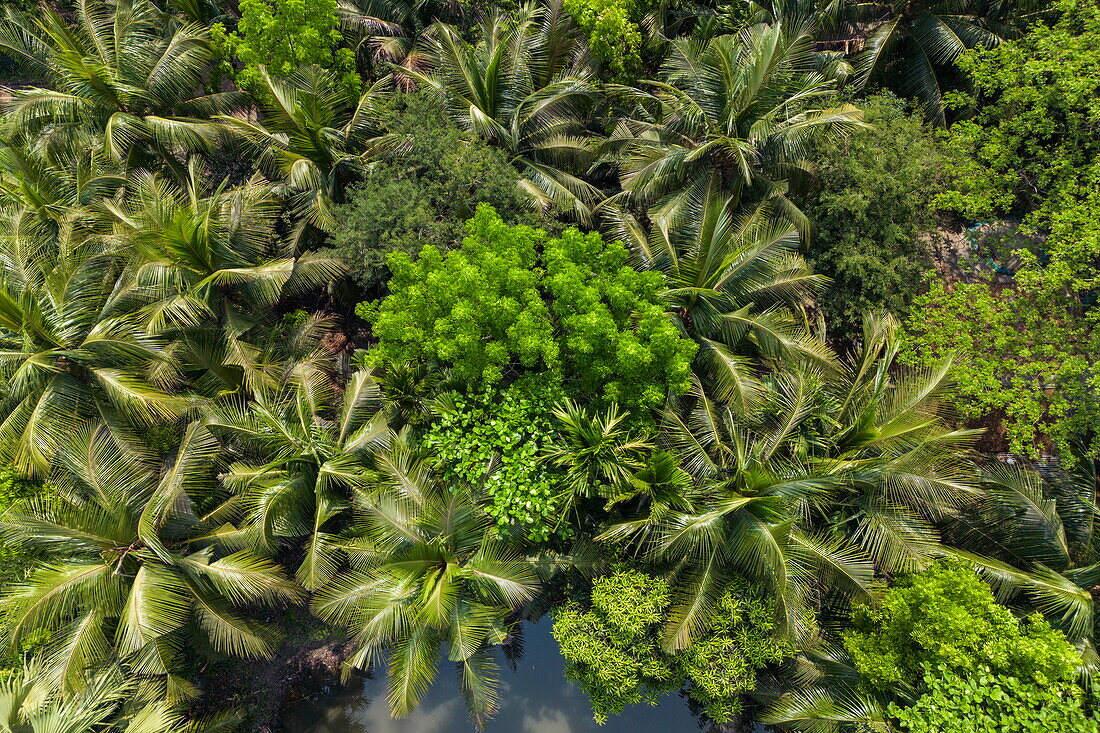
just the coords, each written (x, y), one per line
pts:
(535, 698)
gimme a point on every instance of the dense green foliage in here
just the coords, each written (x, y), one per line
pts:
(1028, 351)
(494, 440)
(362, 333)
(424, 191)
(613, 32)
(947, 616)
(974, 666)
(613, 647)
(513, 297)
(1032, 360)
(281, 36)
(871, 203)
(983, 702)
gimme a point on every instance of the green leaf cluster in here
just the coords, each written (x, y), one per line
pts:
(493, 439)
(282, 36)
(512, 297)
(721, 665)
(946, 617)
(613, 646)
(983, 702)
(1033, 143)
(613, 32)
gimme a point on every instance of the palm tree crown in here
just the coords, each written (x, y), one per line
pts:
(737, 110)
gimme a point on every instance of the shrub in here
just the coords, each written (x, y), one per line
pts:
(1031, 153)
(983, 702)
(283, 36)
(424, 191)
(613, 651)
(512, 298)
(492, 439)
(947, 617)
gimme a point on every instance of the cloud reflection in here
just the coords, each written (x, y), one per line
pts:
(535, 698)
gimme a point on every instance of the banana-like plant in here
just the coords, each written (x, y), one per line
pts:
(137, 564)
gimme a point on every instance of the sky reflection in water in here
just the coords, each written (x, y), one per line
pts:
(534, 699)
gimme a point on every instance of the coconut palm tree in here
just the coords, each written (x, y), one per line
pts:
(385, 31)
(594, 455)
(1033, 537)
(736, 285)
(207, 267)
(28, 704)
(313, 138)
(67, 351)
(832, 475)
(914, 46)
(126, 73)
(137, 564)
(732, 113)
(49, 192)
(523, 86)
(305, 455)
(426, 572)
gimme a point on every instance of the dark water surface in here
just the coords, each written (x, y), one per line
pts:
(535, 698)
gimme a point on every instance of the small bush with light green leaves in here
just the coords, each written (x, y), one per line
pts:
(613, 646)
(283, 36)
(492, 440)
(512, 298)
(970, 661)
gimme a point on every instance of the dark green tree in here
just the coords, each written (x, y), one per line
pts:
(426, 184)
(871, 206)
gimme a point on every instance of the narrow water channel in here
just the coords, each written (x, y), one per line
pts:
(535, 698)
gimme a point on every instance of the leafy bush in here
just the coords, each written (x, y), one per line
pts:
(1032, 146)
(946, 617)
(1024, 355)
(983, 702)
(613, 33)
(613, 650)
(871, 204)
(1028, 349)
(283, 36)
(495, 305)
(721, 665)
(424, 191)
(492, 439)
